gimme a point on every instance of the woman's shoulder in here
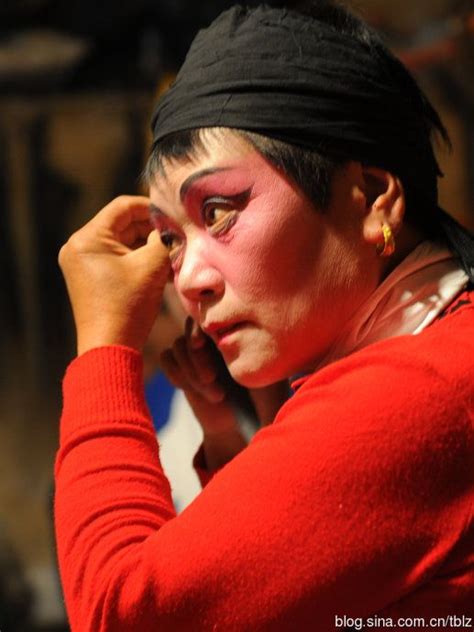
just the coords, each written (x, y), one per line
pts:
(447, 345)
(443, 352)
(423, 384)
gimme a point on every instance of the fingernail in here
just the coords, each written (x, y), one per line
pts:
(197, 337)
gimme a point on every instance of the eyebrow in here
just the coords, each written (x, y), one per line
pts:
(187, 184)
(154, 210)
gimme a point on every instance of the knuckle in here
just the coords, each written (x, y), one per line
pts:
(123, 199)
(171, 367)
(62, 256)
(176, 378)
(199, 361)
(75, 242)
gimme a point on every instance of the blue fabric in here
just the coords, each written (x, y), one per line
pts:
(159, 395)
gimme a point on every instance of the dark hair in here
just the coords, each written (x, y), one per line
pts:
(312, 169)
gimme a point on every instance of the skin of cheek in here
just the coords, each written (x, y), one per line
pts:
(275, 277)
(290, 270)
(272, 242)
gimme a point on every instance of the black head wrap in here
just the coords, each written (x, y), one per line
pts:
(298, 79)
(292, 77)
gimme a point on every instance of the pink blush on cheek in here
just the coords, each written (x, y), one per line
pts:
(267, 248)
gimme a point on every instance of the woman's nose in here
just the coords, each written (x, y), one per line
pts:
(197, 278)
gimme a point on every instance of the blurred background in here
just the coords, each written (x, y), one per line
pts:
(78, 80)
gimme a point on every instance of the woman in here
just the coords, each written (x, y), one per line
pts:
(293, 186)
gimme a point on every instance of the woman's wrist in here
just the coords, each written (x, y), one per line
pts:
(107, 336)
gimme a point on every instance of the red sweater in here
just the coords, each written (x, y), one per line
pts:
(357, 500)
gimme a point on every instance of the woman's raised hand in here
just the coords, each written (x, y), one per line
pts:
(191, 364)
(115, 269)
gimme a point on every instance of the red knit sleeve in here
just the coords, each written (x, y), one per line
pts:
(354, 498)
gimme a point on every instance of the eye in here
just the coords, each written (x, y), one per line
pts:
(218, 219)
(173, 243)
(214, 214)
(220, 213)
(168, 239)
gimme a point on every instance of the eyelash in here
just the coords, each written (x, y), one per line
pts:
(231, 207)
(167, 238)
(219, 225)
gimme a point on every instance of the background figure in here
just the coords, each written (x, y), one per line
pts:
(178, 431)
(179, 434)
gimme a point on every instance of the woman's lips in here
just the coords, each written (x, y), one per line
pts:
(222, 332)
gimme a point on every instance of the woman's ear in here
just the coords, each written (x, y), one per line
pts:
(385, 203)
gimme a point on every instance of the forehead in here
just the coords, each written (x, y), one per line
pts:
(218, 147)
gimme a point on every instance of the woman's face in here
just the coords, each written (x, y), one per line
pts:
(269, 278)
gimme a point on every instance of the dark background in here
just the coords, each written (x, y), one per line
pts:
(78, 80)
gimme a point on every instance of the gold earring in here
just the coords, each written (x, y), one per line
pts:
(388, 247)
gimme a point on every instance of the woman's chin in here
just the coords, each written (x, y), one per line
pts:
(253, 376)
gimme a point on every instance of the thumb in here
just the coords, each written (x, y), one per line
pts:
(153, 257)
(154, 241)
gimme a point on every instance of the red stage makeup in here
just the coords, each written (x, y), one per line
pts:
(253, 260)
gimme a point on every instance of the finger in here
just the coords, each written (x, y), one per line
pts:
(194, 334)
(154, 238)
(153, 257)
(213, 393)
(136, 232)
(199, 352)
(177, 377)
(172, 370)
(180, 351)
(122, 212)
(210, 390)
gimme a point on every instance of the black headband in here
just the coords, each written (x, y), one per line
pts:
(295, 78)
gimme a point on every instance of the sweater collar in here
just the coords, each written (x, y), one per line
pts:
(405, 303)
